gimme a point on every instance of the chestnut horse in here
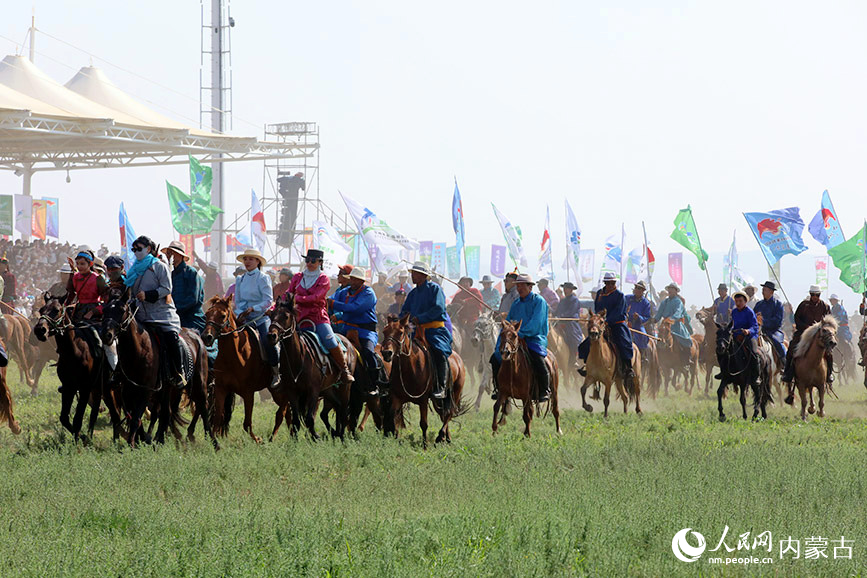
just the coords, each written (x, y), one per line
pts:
(239, 368)
(140, 374)
(81, 367)
(15, 330)
(675, 360)
(707, 354)
(811, 369)
(602, 364)
(515, 379)
(6, 405)
(411, 381)
(306, 375)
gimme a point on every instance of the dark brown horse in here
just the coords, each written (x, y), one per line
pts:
(239, 368)
(306, 376)
(515, 378)
(139, 370)
(411, 381)
(81, 367)
(675, 360)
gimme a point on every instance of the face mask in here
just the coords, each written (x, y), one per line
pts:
(140, 255)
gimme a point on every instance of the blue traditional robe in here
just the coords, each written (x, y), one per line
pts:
(772, 322)
(427, 303)
(745, 319)
(570, 307)
(642, 308)
(672, 308)
(358, 312)
(842, 317)
(723, 309)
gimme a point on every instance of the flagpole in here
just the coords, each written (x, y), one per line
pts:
(771, 267)
(731, 278)
(646, 253)
(622, 251)
(701, 250)
(863, 254)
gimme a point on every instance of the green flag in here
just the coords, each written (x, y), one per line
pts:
(686, 234)
(200, 181)
(189, 217)
(849, 258)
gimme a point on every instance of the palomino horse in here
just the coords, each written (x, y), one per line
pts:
(675, 360)
(307, 374)
(560, 349)
(140, 372)
(81, 367)
(735, 356)
(15, 330)
(484, 339)
(411, 381)
(515, 379)
(707, 354)
(39, 353)
(811, 369)
(601, 367)
(239, 368)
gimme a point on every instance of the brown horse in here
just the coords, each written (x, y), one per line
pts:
(862, 347)
(675, 360)
(308, 375)
(707, 357)
(240, 369)
(140, 373)
(15, 330)
(6, 413)
(515, 379)
(811, 368)
(38, 353)
(602, 364)
(411, 381)
(558, 346)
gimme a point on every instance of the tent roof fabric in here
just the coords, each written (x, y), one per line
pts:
(91, 123)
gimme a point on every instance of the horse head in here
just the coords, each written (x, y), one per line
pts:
(218, 318)
(828, 333)
(596, 326)
(664, 330)
(481, 329)
(723, 338)
(282, 319)
(393, 337)
(509, 339)
(115, 314)
(51, 316)
(705, 315)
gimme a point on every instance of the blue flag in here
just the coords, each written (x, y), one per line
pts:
(458, 218)
(825, 227)
(778, 232)
(127, 236)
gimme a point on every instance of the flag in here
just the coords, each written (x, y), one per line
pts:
(573, 241)
(613, 254)
(825, 227)
(453, 262)
(822, 273)
(40, 218)
(425, 251)
(474, 258)
(7, 215)
(201, 178)
(190, 217)
(24, 214)
(52, 217)
(127, 236)
(686, 234)
(546, 265)
(438, 258)
(498, 260)
(849, 257)
(675, 267)
(514, 238)
(634, 265)
(730, 263)
(329, 240)
(777, 232)
(386, 244)
(458, 218)
(587, 260)
(257, 223)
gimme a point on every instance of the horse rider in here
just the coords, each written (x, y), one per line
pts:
(673, 308)
(114, 270)
(402, 283)
(426, 306)
(811, 310)
(531, 310)
(639, 310)
(511, 293)
(310, 287)
(771, 310)
(614, 303)
(213, 281)
(151, 285)
(490, 294)
(57, 289)
(569, 307)
(283, 279)
(357, 308)
(746, 326)
(467, 303)
(342, 287)
(839, 313)
(550, 296)
(10, 288)
(188, 288)
(723, 305)
(86, 289)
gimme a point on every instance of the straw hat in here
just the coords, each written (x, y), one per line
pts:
(358, 273)
(175, 247)
(524, 278)
(251, 253)
(420, 267)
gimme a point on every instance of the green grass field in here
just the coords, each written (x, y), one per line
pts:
(604, 499)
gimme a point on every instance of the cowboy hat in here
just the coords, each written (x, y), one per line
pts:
(740, 294)
(568, 285)
(609, 276)
(252, 253)
(770, 285)
(834, 297)
(358, 273)
(640, 285)
(285, 271)
(524, 278)
(111, 262)
(470, 279)
(673, 285)
(815, 289)
(315, 254)
(722, 286)
(176, 247)
(487, 279)
(420, 267)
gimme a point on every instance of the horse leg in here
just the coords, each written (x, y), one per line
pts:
(309, 404)
(95, 401)
(323, 415)
(422, 421)
(66, 406)
(78, 418)
(587, 407)
(278, 417)
(743, 398)
(496, 411)
(622, 389)
(528, 416)
(248, 416)
(821, 401)
(607, 398)
(812, 408)
(555, 408)
(802, 393)
(720, 394)
(164, 416)
(480, 394)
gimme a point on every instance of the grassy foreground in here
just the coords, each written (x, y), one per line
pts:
(605, 499)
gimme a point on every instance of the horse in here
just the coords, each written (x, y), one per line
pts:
(707, 354)
(81, 367)
(651, 375)
(140, 372)
(38, 353)
(734, 357)
(15, 331)
(778, 363)
(671, 358)
(844, 359)
(558, 346)
(811, 368)
(484, 339)
(862, 347)
(411, 381)
(601, 367)
(6, 413)
(307, 374)
(240, 368)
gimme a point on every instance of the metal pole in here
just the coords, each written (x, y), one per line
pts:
(622, 252)
(218, 235)
(25, 190)
(33, 35)
(701, 251)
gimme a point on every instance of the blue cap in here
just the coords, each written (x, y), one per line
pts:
(113, 262)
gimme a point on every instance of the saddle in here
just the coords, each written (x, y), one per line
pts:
(166, 373)
(254, 336)
(322, 356)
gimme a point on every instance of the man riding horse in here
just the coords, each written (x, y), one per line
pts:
(188, 288)
(426, 306)
(612, 301)
(672, 308)
(723, 305)
(839, 313)
(746, 326)
(639, 310)
(811, 310)
(356, 306)
(569, 307)
(531, 310)
(771, 310)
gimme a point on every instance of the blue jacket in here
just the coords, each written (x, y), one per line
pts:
(253, 289)
(532, 311)
(614, 304)
(745, 319)
(426, 302)
(357, 311)
(643, 309)
(772, 314)
(188, 293)
(723, 308)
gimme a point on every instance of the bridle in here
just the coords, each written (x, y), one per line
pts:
(57, 326)
(400, 348)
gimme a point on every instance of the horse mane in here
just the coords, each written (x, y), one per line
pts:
(810, 334)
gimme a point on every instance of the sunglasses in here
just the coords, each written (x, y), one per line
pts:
(137, 249)
(312, 260)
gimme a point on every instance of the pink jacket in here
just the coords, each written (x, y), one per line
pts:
(310, 303)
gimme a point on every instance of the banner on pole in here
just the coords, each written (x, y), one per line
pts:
(474, 257)
(7, 215)
(822, 273)
(675, 267)
(425, 251)
(453, 262)
(438, 258)
(498, 260)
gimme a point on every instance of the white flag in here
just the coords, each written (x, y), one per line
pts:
(514, 238)
(588, 265)
(384, 242)
(546, 265)
(257, 222)
(24, 214)
(328, 240)
(573, 242)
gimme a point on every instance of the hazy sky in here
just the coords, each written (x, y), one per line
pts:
(630, 110)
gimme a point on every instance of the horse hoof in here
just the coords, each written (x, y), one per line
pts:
(588, 408)
(722, 418)
(821, 414)
(16, 429)
(812, 410)
(34, 392)
(790, 400)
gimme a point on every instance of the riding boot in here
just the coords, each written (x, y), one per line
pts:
(495, 369)
(628, 374)
(373, 378)
(340, 361)
(582, 371)
(789, 370)
(441, 364)
(829, 361)
(275, 378)
(542, 378)
(173, 350)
